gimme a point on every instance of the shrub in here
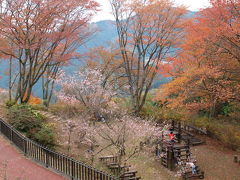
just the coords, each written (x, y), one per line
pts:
(46, 136)
(39, 107)
(225, 131)
(160, 112)
(28, 121)
(10, 103)
(24, 119)
(235, 113)
(150, 110)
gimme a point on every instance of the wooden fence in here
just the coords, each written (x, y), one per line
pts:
(48, 158)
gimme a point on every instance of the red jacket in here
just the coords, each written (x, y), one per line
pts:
(171, 136)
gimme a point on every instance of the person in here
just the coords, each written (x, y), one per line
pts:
(171, 136)
(100, 117)
(193, 167)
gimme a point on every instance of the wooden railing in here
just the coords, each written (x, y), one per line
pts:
(195, 129)
(48, 158)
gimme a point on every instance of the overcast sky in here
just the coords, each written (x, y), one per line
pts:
(105, 14)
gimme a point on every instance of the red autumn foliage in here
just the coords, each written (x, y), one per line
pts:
(37, 34)
(206, 73)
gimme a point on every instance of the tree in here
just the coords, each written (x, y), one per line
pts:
(109, 62)
(224, 29)
(126, 135)
(38, 34)
(87, 88)
(206, 74)
(148, 33)
(123, 137)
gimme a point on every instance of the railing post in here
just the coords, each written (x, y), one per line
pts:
(11, 135)
(179, 132)
(173, 125)
(47, 158)
(73, 168)
(170, 158)
(25, 146)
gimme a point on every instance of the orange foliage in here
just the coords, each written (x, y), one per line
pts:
(33, 100)
(40, 34)
(206, 73)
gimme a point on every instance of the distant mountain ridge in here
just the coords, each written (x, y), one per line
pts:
(106, 32)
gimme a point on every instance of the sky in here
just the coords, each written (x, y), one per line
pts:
(104, 14)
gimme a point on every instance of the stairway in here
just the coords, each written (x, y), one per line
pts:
(182, 153)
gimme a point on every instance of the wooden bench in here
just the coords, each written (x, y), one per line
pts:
(129, 173)
(118, 168)
(109, 159)
(134, 178)
(188, 174)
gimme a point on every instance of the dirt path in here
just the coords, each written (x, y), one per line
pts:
(216, 161)
(14, 165)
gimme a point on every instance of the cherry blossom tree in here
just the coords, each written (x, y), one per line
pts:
(127, 135)
(124, 136)
(86, 88)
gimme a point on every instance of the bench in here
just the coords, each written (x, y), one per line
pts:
(108, 159)
(129, 173)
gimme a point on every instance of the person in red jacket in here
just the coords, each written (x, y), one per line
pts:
(171, 136)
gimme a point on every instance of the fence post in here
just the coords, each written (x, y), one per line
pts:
(173, 125)
(25, 146)
(170, 158)
(11, 135)
(73, 170)
(47, 158)
(179, 132)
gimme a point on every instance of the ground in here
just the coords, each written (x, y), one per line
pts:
(215, 160)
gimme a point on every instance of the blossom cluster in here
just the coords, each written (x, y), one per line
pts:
(85, 87)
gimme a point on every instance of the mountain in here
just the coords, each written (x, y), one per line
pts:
(3, 76)
(106, 32)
